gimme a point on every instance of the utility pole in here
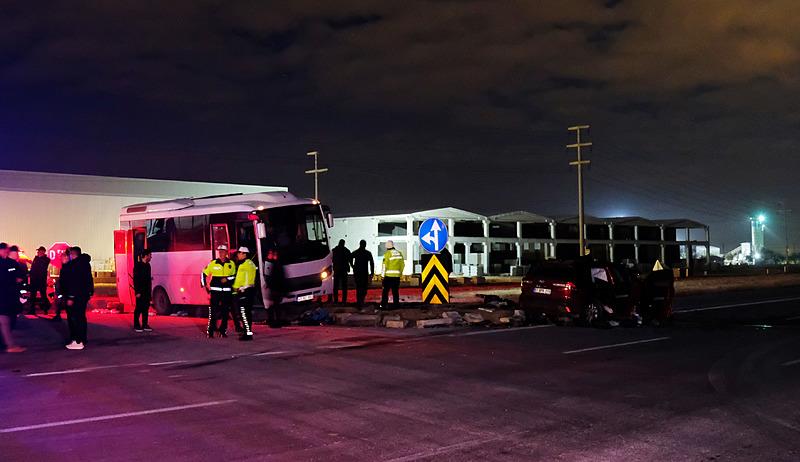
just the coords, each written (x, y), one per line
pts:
(579, 163)
(316, 172)
(785, 212)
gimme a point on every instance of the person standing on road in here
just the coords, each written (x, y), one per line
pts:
(21, 276)
(244, 290)
(222, 272)
(341, 267)
(61, 302)
(143, 288)
(77, 286)
(393, 264)
(39, 270)
(363, 271)
(9, 299)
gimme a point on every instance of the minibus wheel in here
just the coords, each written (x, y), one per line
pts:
(161, 301)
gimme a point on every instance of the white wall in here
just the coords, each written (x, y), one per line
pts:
(353, 230)
(33, 219)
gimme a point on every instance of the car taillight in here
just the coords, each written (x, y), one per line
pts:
(566, 288)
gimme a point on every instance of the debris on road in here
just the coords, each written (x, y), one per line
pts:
(440, 322)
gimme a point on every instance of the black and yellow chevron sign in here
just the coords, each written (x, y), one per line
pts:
(435, 281)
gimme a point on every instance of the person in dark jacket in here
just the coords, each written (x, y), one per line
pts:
(77, 286)
(143, 288)
(363, 271)
(21, 276)
(38, 281)
(9, 299)
(341, 267)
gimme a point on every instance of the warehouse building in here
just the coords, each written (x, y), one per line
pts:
(47, 208)
(507, 243)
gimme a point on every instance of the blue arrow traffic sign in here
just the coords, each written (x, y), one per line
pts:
(433, 235)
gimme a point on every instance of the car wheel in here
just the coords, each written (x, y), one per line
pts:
(161, 301)
(590, 315)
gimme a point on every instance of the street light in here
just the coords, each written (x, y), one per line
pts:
(762, 219)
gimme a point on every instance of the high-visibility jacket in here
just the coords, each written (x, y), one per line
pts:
(222, 275)
(393, 263)
(245, 275)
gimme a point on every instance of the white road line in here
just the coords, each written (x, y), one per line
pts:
(97, 368)
(343, 346)
(79, 370)
(167, 363)
(793, 318)
(739, 305)
(114, 416)
(499, 331)
(270, 353)
(68, 371)
(791, 363)
(615, 345)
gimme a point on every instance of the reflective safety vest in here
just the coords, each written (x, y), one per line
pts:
(222, 275)
(245, 275)
(393, 263)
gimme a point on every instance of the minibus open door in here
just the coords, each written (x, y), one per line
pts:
(264, 265)
(220, 236)
(128, 247)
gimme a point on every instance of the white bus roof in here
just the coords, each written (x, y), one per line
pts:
(211, 204)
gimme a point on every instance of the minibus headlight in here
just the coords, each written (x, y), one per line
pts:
(325, 274)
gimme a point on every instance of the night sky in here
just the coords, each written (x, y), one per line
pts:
(421, 104)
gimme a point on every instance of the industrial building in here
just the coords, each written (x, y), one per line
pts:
(46, 208)
(507, 243)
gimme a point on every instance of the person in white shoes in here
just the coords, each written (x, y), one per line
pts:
(77, 286)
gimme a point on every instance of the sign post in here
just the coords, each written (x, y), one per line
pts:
(435, 278)
(55, 251)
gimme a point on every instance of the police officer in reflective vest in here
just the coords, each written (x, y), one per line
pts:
(222, 272)
(393, 264)
(244, 290)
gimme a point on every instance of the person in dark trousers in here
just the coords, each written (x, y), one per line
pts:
(9, 298)
(61, 302)
(222, 272)
(143, 288)
(363, 271)
(21, 276)
(393, 265)
(341, 267)
(77, 286)
(38, 284)
(244, 289)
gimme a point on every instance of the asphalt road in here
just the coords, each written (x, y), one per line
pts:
(721, 384)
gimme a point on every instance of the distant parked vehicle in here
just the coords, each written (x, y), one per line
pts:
(583, 291)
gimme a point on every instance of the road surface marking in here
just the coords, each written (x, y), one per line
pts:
(793, 318)
(167, 363)
(343, 346)
(79, 370)
(97, 368)
(449, 449)
(615, 345)
(114, 416)
(739, 305)
(791, 363)
(499, 331)
(270, 353)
